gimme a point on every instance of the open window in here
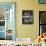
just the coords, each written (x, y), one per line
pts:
(42, 22)
(7, 21)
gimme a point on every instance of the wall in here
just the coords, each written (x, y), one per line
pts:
(28, 31)
(42, 7)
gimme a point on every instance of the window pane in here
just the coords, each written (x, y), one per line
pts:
(42, 1)
(42, 28)
(7, 25)
(2, 35)
(42, 17)
(2, 28)
(2, 23)
(9, 34)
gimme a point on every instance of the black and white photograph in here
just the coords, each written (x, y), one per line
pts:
(27, 17)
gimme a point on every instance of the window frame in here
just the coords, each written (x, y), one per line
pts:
(14, 23)
(41, 2)
(39, 22)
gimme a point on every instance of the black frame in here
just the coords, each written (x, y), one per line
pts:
(27, 16)
(39, 20)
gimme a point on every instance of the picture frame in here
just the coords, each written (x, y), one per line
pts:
(27, 16)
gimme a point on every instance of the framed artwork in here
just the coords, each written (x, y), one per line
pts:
(42, 22)
(27, 17)
(7, 20)
(42, 1)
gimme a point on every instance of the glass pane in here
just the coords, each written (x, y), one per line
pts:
(2, 35)
(7, 14)
(43, 28)
(9, 34)
(42, 1)
(2, 23)
(27, 17)
(2, 28)
(42, 17)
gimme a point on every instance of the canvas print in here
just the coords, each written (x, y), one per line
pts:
(27, 17)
